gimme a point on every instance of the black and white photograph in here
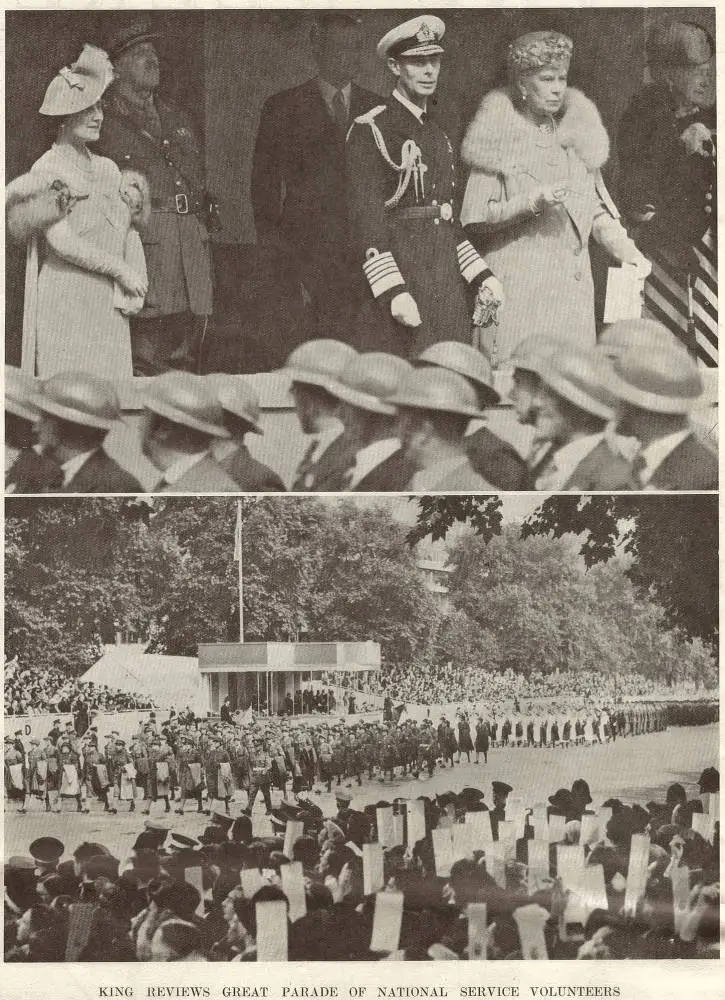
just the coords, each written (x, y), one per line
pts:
(361, 250)
(360, 729)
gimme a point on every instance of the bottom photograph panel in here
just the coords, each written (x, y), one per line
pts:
(361, 728)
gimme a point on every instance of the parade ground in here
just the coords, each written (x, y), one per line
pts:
(636, 769)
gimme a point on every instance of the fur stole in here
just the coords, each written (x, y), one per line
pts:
(498, 140)
(33, 204)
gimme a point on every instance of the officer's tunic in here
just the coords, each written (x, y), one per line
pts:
(164, 148)
(421, 232)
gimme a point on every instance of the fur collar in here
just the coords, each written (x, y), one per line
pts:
(498, 139)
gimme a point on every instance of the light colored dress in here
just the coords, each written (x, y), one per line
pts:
(79, 326)
(542, 260)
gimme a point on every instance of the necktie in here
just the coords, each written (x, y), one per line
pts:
(339, 109)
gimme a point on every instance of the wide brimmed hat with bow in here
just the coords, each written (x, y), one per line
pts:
(79, 86)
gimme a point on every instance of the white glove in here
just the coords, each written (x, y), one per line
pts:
(489, 300)
(547, 196)
(642, 266)
(694, 138)
(404, 310)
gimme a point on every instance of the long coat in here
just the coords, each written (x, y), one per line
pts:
(176, 245)
(424, 247)
(542, 260)
(102, 474)
(78, 325)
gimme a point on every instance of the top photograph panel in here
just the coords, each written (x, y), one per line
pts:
(255, 251)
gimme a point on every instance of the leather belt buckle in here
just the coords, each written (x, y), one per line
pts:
(446, 211)
(182, 204)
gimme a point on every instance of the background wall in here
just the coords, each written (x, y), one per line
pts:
(221, 65)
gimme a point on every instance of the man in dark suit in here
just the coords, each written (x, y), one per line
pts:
(657, 392)
(299, 195)
(240, 406)
(182, 421)
(142, 132)
(76, 413)
(494, 459)
(573, 407)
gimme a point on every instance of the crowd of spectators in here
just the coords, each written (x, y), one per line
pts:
(448, 684)
(30, 691)
(652, 873)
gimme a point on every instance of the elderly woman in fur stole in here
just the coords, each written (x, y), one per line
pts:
(535, 195)
(86, 271)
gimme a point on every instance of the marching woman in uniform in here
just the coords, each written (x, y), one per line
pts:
(91, 272)
(535, 195)
(483, 735)
(668, 178)
(422, 273)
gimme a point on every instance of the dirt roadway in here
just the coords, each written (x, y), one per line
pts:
(636, 770)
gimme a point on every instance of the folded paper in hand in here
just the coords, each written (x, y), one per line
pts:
(625, 294)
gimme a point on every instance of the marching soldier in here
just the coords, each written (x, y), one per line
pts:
(96, 777)
(15, 774)
(69, 766)
(140, 758)
(160, 761)
(217, 773)
(189, 768)
(124, 775)
(261, 775)
(404, 210)
(37, 769)
(144, 133)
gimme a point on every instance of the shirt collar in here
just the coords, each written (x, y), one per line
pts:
(72, 467)
(330, 433)
(567, 458)
(181, 466)
(328, 92)
(369, 457)
(658, 450)
(413, 108)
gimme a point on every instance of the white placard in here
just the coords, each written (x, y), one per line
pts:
(194, 877)
(680, 894)
(415, 810)
(557, 826)
(443, 851)
(624, 298)
(507, 837)
(272, 931)
(373, 877)
(538, 862)
(594, 889)
(495, 864)
(637, 872)
(293, 886)
(704, 825)
(398, 830)
(384, 821)
(480, 822)
(261, 826)
(477, 932)
(569, 863)
(251, 881)
(530, 921)
(589, 830)
(387, 921)
(293, 830)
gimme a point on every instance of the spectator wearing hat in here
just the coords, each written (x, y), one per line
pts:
(501, 792)
(240, 407)
(436, 407)
(422, 273)
(299, 187)
(573, 407)
(93, 271)
(46, 852)
(76, 413)
(666, 145)
(656, 393)
(311, 367)
(371, 422)
(145, 133)
(496, 460)
(183, 419)
(532, 211)
(27, 470)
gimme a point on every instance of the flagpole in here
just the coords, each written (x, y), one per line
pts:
(240, 570)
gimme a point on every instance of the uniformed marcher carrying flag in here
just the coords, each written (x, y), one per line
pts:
(404, 213)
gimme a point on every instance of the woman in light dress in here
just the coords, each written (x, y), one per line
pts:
(91, 271)
(535, 195)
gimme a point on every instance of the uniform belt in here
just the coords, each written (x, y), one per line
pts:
(180, 204)
(444, 211)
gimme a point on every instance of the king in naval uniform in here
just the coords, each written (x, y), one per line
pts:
(426, 281)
